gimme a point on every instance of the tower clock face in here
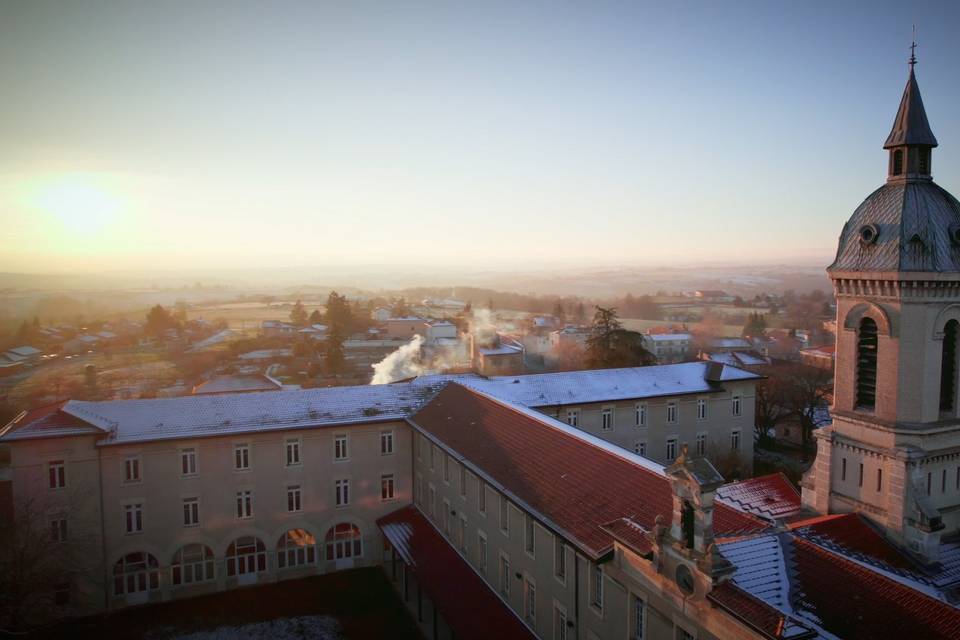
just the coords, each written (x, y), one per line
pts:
(684, 578)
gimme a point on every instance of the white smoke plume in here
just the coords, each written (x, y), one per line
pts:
(402, 363)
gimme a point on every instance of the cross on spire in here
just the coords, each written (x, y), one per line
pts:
(913, 48)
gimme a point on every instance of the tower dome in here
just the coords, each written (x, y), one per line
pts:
(910, 223)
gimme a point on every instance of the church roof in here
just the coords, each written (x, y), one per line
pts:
(911, 126)
(902, 226)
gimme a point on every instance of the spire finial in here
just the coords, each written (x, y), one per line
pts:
(913, 49)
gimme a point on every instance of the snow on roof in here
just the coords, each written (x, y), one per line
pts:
(500, 350)
(573, 387)
(658, 337)
(213, 415)
(730, 343)
(770, 496)
(24, 351)
(237, 384)
(405, 319)
(264, 354)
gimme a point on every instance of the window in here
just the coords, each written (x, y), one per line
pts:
(671, 449)
(867, 343)
(294, 503)
(191, 512)
(188, 462)
(559, 622)
(860, 476)
(641, 415)
(344, 540)
(293, 452)
(136, 573)
(573, 417)
(58, 530)
(923, 161)
(843, 469)
(241, 457)
(735, 440)
(481, 496)
(530, 601)
(701, 409)
(133, 518)
(879, 480)
(340, 447)
(929, 478)
(245, 504)
(342, 492)
(386, 486)
(462, 535)
(529, 543)
(640, 447)
(596, 587)
(897, 162)
(192, 563)
(943, 482)
(386, 443)
(948, 367)
(735, 405)
(295, 548)
(606, 419)
(559, 558)
(446, 468)
(432, 504)
(58, 474)
(637, 610)
(672, 412)
(246, 554)
(463, 481)
(482, 553)
(504, 515)
(131, 469)
(504, 575)
(701, 444)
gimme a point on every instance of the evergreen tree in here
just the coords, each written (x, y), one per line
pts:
(400, 308)
(298, 315)
(610, 345)
(159, 320)
(316, 317)
(559, 313)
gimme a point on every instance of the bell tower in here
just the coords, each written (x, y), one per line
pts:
(893, 451)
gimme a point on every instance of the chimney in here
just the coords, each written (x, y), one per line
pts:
(714, 372)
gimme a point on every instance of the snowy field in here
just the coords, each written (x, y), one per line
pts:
(299, 628)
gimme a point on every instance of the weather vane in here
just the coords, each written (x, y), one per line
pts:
(913, 48)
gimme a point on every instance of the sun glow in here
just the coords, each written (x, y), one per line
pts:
(81, 203)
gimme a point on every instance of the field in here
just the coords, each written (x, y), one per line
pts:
(635, 324)
(247, 316)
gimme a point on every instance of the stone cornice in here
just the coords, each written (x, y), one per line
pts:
(926, 287)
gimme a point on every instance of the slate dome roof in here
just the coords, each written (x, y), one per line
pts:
(902, 226)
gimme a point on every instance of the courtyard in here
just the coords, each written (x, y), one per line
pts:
(352, 604)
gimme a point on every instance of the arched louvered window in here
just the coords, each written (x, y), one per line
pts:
(924, 161)
(948, 367)
(867, 364)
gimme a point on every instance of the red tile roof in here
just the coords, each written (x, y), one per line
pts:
(854, 602)
(771, 496)
(463, 599)
(852, 533)
(575, 484)
(627, 532)
(755, 612)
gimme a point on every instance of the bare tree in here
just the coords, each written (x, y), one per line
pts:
(39, 561)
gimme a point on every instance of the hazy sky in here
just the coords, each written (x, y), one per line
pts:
(178, 135)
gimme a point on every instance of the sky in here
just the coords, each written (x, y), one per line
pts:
(186, 135)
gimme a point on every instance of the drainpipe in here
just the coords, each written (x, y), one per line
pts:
(103, 532)
(576, 590)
